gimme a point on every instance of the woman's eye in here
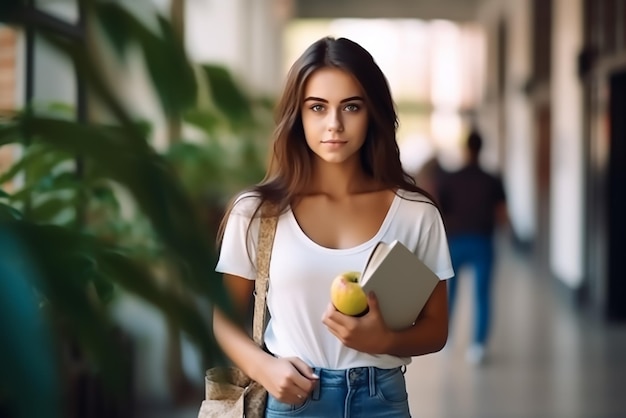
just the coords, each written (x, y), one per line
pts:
(317, 108)
(352, 108)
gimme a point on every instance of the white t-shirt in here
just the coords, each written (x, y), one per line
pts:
(301, 272)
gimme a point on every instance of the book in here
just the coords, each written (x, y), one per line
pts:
(401, 281)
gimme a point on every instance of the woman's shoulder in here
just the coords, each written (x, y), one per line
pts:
(415, 205)
(245, 203)
(414, 197)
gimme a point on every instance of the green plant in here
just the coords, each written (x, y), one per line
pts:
(65, 246)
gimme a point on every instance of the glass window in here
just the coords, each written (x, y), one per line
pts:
(65, 10)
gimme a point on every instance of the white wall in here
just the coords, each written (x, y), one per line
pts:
(518, 165)
(215, 31)
(264, 73)
(566, 217)
(66, 10)
(567, 188)
(520, 145)
(244, 35)
(54, 76)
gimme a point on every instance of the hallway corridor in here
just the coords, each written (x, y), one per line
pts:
(544, 361)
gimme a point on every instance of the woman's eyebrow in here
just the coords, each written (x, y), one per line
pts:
(319, 99)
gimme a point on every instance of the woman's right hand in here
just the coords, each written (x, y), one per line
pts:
(289, 380)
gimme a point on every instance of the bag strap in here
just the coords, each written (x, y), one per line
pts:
(265, 242)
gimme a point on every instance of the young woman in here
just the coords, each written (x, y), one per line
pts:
(336, 182)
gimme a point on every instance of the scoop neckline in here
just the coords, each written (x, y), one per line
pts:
(384, 226)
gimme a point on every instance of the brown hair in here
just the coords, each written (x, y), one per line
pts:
(290, 160)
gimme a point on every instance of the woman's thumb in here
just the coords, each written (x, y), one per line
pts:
(304, 369)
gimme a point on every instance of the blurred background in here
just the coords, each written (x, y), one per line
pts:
(126, 126)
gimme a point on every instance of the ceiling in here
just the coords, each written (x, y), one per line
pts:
(457, 10)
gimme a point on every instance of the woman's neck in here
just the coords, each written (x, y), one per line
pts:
(339, 180)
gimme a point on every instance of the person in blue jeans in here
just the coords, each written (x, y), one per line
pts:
(337, 186)
(473, 203)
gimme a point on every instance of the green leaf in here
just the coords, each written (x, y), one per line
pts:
(104, 287)
(26, 355)
(228, 97)
(50, 194)
(9, 134)
(151, 181)
(204, 120)
(117, 25)
(24, 194)
(50, 209)
(18, 166)
(199, 166)
(182, 311)
(172, 74)
(60, 181)
(39, 162)
(169, 68)
(64, 283)
(8, 213)
(104, 194)
(255, 167)
(71, 261)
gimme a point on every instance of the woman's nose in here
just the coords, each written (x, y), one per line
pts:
(335, 124)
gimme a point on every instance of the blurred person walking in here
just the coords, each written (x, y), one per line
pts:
(473, 203)
(429, 175)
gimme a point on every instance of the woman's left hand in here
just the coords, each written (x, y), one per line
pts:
(367, 333)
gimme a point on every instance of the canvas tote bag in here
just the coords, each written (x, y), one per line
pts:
(229, 393)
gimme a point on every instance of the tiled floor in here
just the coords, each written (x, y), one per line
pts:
(545, 360)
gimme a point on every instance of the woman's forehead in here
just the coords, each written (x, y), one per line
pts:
(332, 83)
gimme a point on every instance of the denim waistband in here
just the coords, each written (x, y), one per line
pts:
(351, 378)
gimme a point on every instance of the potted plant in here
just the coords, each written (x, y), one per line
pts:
(66, 247)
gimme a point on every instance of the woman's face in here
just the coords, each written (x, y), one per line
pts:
(334, 115)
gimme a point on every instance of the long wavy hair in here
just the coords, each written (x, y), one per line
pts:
(290, 165)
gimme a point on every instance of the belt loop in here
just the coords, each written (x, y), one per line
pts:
(316, 390)
(403, 369)
(372, 380)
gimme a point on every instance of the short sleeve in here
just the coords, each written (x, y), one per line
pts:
(433, 248)
(238, 249)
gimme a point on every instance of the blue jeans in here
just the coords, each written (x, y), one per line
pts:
(475, 251)
(359, 392)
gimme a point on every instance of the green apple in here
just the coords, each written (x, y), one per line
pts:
(347, 295)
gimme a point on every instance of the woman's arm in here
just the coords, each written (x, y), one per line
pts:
(369, 333)
(231, 337)
(289, 380)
